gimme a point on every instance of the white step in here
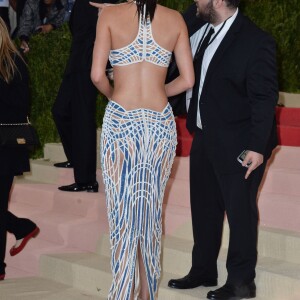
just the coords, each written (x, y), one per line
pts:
(282, 181)
(54, 152)
(91, 272)
(86, 271)
(286, 156)
(43, 171)
(275, 243)
(279, 210)
(283, 156)
(36, 288)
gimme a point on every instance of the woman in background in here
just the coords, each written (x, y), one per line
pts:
(138, 139)
(14, 104)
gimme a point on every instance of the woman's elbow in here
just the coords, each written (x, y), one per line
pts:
(190, 81)
(97, 77)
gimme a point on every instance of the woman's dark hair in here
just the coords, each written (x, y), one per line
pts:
(150, 7)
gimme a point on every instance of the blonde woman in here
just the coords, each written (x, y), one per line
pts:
(14, 102)
(139, 134)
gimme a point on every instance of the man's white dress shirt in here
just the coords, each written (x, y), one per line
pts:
(208, 55)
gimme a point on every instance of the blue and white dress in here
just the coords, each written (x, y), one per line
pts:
(137, 151)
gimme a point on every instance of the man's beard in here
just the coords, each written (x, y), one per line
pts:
(208, 14)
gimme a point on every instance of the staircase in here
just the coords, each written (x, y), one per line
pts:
(288, 129)
(70, 257)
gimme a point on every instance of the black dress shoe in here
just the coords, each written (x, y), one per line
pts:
(190, 282)
(64, 164)
(80, 187)
(233, 292)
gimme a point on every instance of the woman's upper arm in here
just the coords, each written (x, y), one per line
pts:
(102, 44)
(183, 53)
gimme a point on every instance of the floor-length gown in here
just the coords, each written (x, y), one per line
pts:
(137, 151)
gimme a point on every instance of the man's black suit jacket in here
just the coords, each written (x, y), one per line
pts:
(239, 96)
(82, 24)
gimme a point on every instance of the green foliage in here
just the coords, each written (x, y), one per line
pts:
(46, 61)
(281, 19)
(49, 53)
(180, 5)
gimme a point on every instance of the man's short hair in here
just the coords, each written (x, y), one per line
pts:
(233, 3)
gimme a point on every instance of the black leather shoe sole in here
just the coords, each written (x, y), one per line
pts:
(229, 292)
(65, 164)
(191, 284)
(232, 297)
(90, 188)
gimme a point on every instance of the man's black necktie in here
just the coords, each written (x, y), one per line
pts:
(198, 58)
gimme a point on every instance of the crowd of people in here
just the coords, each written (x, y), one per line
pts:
(218, 66)
(24, 18)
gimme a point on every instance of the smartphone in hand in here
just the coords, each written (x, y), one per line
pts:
(242, 156)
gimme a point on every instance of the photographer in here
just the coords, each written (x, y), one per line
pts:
(40, 16)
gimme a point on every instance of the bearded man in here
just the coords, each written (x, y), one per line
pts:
(231, 110)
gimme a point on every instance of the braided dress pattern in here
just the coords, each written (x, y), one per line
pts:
(143, 48)
(137, 151)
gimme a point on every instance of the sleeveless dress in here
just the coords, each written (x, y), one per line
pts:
(137, 151)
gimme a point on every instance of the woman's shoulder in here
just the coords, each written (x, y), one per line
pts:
(111, 12)
(170, 14)
(170, 18)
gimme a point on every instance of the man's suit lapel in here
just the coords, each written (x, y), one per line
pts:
(227, 40)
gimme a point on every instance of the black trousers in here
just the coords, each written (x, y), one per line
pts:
(74, 116)
(212, 194)
(8, 222)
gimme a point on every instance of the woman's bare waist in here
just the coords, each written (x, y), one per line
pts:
(133, 101)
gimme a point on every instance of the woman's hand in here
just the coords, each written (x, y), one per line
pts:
(24, 46)
(46, 28)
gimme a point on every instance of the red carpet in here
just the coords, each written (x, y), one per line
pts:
(288, 125)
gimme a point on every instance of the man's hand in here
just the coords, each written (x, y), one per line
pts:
(45, 28)
(252, 161)
(24, 46)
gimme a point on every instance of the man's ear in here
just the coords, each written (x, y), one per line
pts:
(219, 3)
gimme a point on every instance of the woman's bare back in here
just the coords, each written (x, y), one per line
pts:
(142, 84)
